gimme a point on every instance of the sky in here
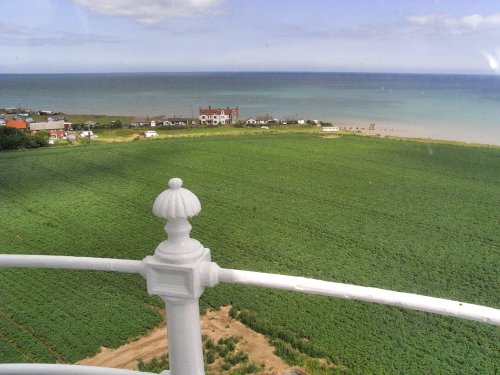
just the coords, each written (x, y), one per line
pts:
(403, 36)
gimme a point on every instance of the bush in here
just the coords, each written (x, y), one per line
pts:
(40, 139)
(116, 124)
(11, 138)
(210, 357)
(238, 357)
(155, 365)
(225, 366)
(209, 344)
(222, 350)
(233, 312)
(251, 368)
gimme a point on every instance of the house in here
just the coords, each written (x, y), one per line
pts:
(287, 120)
(90, 124)
(58, 134)
(45, 113)
(216, 116)
(139, 121)
(47, 126)
(179, 121)
(251, 121)
(18, 124)
(263, 120)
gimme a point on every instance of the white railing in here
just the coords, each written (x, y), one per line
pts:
(181, 268)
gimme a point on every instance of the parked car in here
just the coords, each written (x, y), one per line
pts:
(150, 134)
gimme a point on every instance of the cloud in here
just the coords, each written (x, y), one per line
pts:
(152, 11)
(470, 23)
(11, 29)
(184, 31)
(380, 32)
(56, 39)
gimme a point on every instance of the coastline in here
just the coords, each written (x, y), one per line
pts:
(424, 132)
(414, 137)
(428, 133)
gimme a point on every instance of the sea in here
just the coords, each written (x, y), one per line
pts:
(450, 107)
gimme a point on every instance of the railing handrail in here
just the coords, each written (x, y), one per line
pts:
(62, 369)
(72, 263)
(441, 306)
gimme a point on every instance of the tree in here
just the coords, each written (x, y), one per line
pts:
(40, 139)
(11, 138)
(116, 124)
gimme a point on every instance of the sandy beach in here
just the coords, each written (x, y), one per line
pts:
(432, 132)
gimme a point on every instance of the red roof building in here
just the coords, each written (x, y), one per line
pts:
(216, 116)
(18, 124)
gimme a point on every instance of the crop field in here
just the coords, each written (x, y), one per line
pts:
(407, 216)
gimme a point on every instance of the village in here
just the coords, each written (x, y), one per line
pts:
(60, 126)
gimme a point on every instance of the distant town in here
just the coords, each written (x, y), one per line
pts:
(61, 126)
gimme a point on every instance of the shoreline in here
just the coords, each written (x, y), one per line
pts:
(415, 138)
(434, 132)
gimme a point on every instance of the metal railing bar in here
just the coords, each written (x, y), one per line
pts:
(59, 369)
(73, 263)
(410, 301)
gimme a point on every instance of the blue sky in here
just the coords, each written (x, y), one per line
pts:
(447, 36)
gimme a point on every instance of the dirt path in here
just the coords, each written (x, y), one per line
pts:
(215, 324)
(330, 136)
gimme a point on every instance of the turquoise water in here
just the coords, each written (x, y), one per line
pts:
(453, 107)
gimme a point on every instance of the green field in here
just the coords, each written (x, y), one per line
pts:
(407, 216)
(124, 134)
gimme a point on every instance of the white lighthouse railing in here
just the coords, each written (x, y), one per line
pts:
(181, 268)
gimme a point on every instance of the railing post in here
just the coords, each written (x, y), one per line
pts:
(175, 274)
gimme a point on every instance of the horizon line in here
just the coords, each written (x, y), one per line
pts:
(255, 72)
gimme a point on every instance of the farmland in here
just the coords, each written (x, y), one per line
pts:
(402, 215)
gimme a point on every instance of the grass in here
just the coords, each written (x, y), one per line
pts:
(393, 214)
(176, 132)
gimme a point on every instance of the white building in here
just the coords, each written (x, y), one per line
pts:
(216, 116)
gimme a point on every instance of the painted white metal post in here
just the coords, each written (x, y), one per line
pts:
(174, 273)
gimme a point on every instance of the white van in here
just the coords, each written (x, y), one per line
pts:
(150, 134)
(88, 134)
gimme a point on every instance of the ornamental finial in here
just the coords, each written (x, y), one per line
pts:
(175, 183)
(176, 202)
